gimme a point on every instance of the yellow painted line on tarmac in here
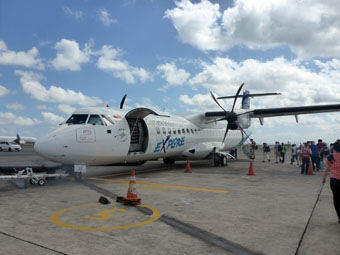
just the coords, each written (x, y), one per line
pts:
(55, 218)
(162, 185)
(145, 171)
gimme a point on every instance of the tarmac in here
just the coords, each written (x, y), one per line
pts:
(213, 210)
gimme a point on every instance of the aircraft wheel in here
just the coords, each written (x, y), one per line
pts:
(9, 149)
(223, 160)
(216, 160)
(41, 182)
(0, 148)
(77, 176)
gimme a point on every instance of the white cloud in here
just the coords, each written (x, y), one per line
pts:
(108, 61)
(70, 56)
(147, 103)
(15, 106)
(74, 14)
(197, 24)
(3, 91)
(27, 59)
(172, 74)
(64, 108)
(31, 85)
(298, 84)
(310, 28)
(105, 18)
(52, 118)
(200, 103)
(8, 119)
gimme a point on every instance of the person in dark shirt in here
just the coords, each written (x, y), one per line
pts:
(315, 156)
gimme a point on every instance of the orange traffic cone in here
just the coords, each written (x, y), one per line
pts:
(251, 169)
(132, 197)
(310, 169)
(188, 169)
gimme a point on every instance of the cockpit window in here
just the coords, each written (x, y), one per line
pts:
(107, 120)
(76, 119)
(95, 120)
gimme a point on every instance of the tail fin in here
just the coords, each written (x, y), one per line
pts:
(18, 139)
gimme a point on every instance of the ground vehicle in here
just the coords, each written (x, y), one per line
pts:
(9, 146)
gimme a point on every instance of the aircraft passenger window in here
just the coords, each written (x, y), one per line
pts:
(188, 131)
(164, 131)
(107, 120)
(183, 131)
(76, 119)
(158, 130)
(174, 131)
(192, 131)
(195, 130)
(179, 131)
(169, 131)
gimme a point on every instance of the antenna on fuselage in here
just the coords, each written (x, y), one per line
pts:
(122, 102)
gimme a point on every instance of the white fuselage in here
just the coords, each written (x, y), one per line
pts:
(122, 139)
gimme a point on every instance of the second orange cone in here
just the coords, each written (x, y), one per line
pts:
(251, 169)
(310, 169)
(188, 169)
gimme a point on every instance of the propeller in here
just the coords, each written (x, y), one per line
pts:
(231, 116)
(122, 101)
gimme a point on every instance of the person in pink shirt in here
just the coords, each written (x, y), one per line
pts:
(333, 164)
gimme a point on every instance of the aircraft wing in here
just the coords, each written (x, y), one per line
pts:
(285, 111)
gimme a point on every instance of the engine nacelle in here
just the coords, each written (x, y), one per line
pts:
(244, 121)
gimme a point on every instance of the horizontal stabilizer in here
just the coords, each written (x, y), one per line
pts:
(251, 95)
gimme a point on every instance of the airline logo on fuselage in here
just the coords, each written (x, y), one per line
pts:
(169, 144)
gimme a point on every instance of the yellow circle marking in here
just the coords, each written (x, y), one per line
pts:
(55, 218)
(104, 215)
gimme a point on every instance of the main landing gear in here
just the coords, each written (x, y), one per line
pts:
(220, 160)
(169, 161)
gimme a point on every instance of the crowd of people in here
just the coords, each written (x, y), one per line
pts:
(319, 155)
(302, 155)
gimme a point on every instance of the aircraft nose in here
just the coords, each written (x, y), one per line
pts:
(45, 146)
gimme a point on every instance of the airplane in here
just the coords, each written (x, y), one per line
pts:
(105, 136)
(18, 139)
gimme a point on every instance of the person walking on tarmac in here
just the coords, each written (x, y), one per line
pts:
(277, 152)
(283, 153)
(333, 163)
(253, 147)
(315, 156)
(266, 151)
(305, 154)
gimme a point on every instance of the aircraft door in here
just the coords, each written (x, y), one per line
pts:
(138, 134)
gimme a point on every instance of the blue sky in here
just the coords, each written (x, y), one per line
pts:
(56, 56)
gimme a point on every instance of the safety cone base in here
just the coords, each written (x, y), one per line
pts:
(131, 201)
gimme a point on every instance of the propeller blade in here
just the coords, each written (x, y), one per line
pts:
(122, 102)
(237, 93)
(213, 96)
(215, 120)
(225, 134)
